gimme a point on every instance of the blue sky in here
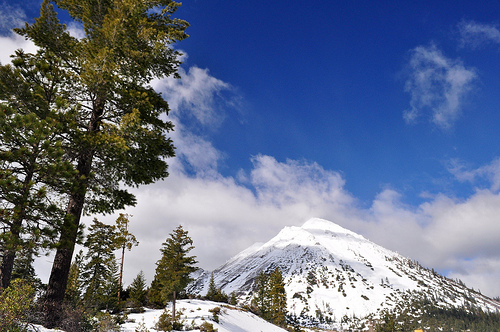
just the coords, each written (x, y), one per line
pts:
(382, 117)
(326, 81)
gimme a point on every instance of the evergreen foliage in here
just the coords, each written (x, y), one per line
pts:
(33, 173)
(74, 285)
(269, 301)
(424, 313)
(212, 289)
(137, 291)
(84, 121)
(15, 304)
(173, 269)
(123, 239)
(99, 271)
(260, 302)
(277, 298)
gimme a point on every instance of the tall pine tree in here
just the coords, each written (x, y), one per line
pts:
(173, 269)
(116, 133)
(99, 267)
(260, 302)
(34, 175)
(277, 298)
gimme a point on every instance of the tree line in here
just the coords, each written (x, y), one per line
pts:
(94, 293)
(78, 121)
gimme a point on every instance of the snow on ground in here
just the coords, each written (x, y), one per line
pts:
(195, 312)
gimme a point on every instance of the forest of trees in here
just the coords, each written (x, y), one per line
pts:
(269, 301)
(94, 293)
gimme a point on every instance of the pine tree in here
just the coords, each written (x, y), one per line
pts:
(33, 174)
(123, 239)
(212, 289)
(173, 269)
(99, 264)
(74, 286)
(137, 291)
(261, 299)
(115, 133)
(23, 267)
(277, 298)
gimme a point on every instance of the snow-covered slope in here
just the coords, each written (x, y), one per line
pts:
(195, 312)
(331, 272)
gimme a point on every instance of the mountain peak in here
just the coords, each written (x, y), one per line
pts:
(337, 273)
(328, 226)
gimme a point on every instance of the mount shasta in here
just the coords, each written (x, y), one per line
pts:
(332, 274)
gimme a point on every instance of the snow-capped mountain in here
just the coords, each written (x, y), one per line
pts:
(331, 273)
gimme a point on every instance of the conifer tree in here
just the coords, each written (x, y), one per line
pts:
(173, 269)
(212, 289)
(33, 174)
(23, 267)
(261, 299)
(277, 298)
(137, 290)
(115, 133)
(74, 286)
(100, 266)
(123, 239)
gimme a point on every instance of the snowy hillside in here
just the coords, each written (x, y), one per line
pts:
(194, 314)
(331, 272)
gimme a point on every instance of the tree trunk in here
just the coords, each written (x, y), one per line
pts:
(15, 231)
(121, 275)
(56, 288)
(173, 309)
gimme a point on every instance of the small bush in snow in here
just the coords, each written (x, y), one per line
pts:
(207, 327)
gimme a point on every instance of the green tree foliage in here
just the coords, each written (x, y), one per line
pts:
(422, 312)
(260, 302)
(214, 293)
(99, 268)
(113, 127)
(15, 304)
(23, 267)
(137, 291)
(123, 239)
(173, 269)
(269, 300)
(212, 289)
(74, 286)
(277, 298)
(169, 321)
(33, 172)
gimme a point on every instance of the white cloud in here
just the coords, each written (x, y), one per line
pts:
(438, 85)
(489, 172)
(11, 17)
(225, 215)
(198, 93)
(11, 43)
(476, 35)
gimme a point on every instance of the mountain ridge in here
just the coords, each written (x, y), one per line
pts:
(332, 273)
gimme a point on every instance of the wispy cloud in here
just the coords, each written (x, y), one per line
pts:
(225, 214)
(489, 172)
(475, 35)
(11, 17)
(197, 94)
(437, 85)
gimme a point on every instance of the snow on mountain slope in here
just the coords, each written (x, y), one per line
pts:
(195, 312)
(331, 272)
